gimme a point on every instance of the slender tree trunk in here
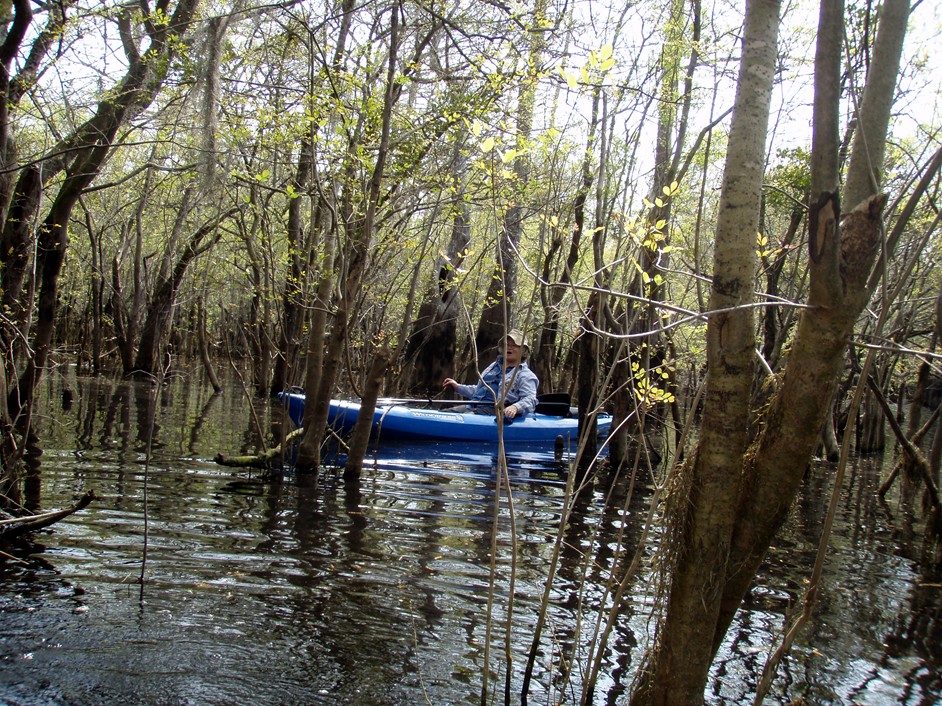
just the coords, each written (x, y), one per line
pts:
(205, 354)
(291, 311)
(359, 439)
(865, 168)
(545, 365)
(653, 258)
(127, 313)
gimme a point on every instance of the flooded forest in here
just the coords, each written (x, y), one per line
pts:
(716, 226)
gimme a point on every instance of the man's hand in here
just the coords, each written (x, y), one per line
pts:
(449, 382)
(511, 411)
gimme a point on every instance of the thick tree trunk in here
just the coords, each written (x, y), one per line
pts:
(16, 252)
(777, 461)
(841, 263)
(430, 353)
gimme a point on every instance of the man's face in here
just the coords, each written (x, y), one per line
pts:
(512, 352)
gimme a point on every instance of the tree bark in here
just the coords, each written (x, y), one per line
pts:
(551, 296)
(360, 438)
(430, 352)
(841, 263)
(865, 168)
(291, 310)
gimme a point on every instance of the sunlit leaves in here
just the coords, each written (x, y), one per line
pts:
(602, 59)
(593, 71)
(653, 385)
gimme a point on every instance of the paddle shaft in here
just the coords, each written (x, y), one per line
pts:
(413, 400)
(553, 404)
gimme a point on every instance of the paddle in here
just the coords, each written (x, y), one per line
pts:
(405, 401)
(555, 404)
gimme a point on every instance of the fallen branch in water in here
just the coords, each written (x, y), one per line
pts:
(262, 460)
(17, 526)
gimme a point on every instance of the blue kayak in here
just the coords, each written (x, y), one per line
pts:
(398, 421)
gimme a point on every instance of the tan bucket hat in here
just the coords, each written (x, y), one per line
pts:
(516, 335)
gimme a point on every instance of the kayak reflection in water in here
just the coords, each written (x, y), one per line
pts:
(509, 376)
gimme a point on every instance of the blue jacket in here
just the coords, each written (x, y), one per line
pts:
(516, 386)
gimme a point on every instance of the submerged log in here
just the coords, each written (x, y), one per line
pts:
(13, 527)
(262, 460)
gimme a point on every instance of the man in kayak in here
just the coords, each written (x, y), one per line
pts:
(509, 376)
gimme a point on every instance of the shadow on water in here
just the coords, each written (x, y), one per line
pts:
(278, 591)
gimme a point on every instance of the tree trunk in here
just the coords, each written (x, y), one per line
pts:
(551, 296)
(360, 438)
(291, 311)
(360, 238)
(84, 152)
(774, 466)
(497, 316)
(430, 353)
(841, 263)
(205, 354)
(865, 168)
(160, 309)
(706, 487)
(309, 446)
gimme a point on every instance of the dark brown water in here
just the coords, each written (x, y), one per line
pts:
(275, 592)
